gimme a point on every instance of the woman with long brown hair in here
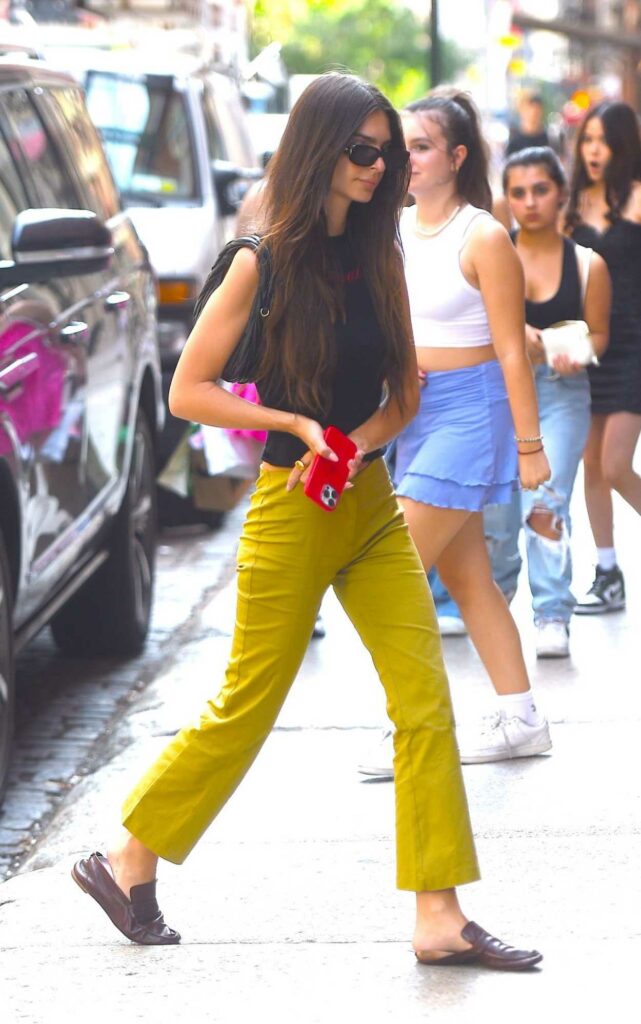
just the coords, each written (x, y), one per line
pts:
(604, 213)
(477, 432)
(336, 338)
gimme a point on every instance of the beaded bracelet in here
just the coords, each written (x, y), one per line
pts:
(534, 451)
(528, 440)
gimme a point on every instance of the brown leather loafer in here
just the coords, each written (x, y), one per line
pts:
(485, 950)
(94, 876)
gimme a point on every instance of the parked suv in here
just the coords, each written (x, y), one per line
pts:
(176, 137)
(80, 389)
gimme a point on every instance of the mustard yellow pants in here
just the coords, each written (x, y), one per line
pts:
(290, 552)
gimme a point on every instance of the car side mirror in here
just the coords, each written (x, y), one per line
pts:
(52, 243)
(231, 182)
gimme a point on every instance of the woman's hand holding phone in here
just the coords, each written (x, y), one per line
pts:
(339, 460)
(311, 433)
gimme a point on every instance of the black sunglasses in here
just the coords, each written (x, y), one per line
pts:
(364, 155)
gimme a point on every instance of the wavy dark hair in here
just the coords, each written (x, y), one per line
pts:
(460, 122)
(536, 156)
(621, 130)
(299, 350)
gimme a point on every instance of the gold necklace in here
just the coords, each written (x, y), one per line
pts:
(430, 232)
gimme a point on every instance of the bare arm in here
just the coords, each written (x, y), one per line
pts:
(496, 266)
(596, 312)
(598, 298)
(195, 394)
(250, 217)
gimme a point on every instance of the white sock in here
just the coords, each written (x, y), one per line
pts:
(606, 558)
(520, 705)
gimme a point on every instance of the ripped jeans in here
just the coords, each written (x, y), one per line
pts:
(564, 411)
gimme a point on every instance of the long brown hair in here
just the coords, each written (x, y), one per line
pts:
(299, 351)
(459, 121)
(621, 130)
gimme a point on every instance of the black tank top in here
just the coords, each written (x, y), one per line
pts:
(357, 386)
(567, 303)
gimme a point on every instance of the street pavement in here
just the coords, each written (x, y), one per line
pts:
(287, 906)
(66, 706)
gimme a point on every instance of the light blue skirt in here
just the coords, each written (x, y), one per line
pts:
(459, 450)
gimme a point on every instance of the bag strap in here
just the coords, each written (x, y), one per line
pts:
(264, 280)
(583, 258)
(264, 269)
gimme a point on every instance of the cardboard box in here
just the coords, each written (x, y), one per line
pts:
(215, 493)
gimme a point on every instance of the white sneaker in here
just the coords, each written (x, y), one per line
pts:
(552, 639)
(499, 739)
(381, 763)
(451, 625)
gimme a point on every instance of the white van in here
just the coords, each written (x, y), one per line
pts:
(176, 138)
(180, 152)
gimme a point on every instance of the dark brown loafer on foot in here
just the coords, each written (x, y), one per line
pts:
(94, 876)
(485, 950)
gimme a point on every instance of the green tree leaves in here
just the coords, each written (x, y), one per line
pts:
(381, 40)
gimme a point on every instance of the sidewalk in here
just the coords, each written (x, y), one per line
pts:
(287, 907)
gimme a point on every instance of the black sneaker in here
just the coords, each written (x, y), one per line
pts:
(607, 593)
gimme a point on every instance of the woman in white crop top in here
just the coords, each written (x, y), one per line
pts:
(477, 429)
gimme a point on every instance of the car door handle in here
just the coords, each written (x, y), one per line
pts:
(117, 301)
(74, 333)
(18, 371)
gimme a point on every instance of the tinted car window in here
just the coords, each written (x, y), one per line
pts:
(12, 197)
(95, 180)
(215, 143)
(145, 130)
(53, 186)
(229, 115)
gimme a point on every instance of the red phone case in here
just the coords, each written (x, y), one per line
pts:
(326, 479)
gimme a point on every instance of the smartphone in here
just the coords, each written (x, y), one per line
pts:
(326, 479)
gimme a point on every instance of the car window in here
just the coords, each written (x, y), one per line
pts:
(47, 174)
(12, 197)
(85, 151)
(215, 142)
(145, 130)
(227, 112)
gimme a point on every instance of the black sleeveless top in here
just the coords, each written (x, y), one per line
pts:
(357, 386)
(566, 304)
(615, 383)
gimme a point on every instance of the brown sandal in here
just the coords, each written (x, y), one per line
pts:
(485, 950)
(95, 877)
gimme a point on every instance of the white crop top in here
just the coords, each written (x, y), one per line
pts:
(447, 311)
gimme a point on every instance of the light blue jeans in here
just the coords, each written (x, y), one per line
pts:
(502, 525)
(564, 410)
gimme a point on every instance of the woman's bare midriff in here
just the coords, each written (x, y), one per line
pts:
(431, 360)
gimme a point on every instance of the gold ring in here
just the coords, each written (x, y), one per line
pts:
(300, 465)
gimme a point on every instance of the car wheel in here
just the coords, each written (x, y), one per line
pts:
(110, 613)
(7, 676)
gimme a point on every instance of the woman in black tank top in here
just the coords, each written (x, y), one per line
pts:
(338, 328)
(604, 212)
(534, 185)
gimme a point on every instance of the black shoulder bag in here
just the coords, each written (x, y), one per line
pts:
(242, 365)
